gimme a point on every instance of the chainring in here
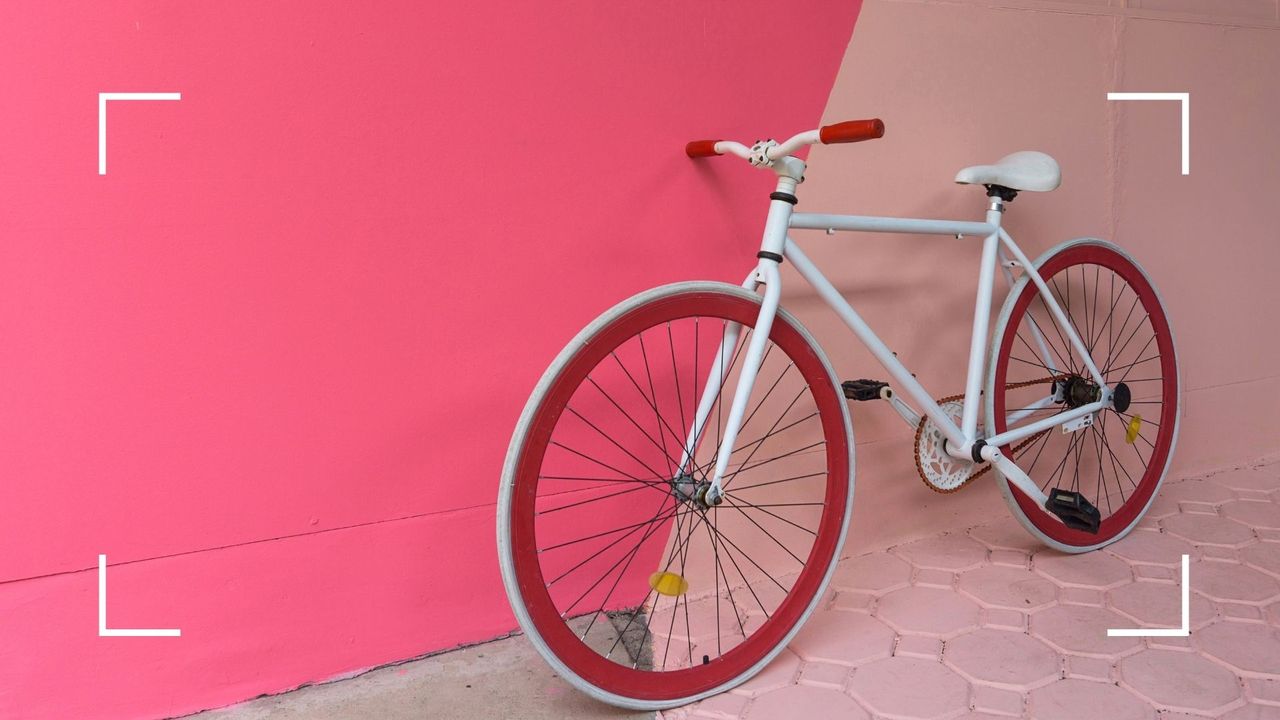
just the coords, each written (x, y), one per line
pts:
(940, 471)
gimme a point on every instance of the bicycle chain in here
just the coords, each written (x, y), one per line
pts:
(977, 474)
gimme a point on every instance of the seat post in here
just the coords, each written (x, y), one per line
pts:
(1005, 194)
(995, 211)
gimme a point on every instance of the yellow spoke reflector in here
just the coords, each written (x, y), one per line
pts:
(668, 583)
(1131, 432)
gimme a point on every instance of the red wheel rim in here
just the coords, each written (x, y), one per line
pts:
(604, 673)
(1136, 503)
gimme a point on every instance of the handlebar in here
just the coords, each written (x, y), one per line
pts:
(843, 132)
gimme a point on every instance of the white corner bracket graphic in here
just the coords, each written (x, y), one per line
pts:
(104, 631)
(1183, 631)
(102, 117)
(1185, 99)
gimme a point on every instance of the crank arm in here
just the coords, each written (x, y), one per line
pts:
(1070, 508)
(1014, 474)
(904, 410)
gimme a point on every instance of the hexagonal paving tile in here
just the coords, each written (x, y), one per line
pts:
(725, 706)
(944, 552)
(1230, 581)
(1263, 555)
(1154, 604)
(853, 601)
(844, 638)
(1151, 546)
(909, 687)
(1066, 603)
(1208, 529)
(997, 700)
(1076, 699)
(1246, 479)
(807, 702)
(1001, 657)
(1246, 646)
(1224, 554)
(824, 675)
(1201, 491)
(779, 673)
(1250, 712)
(928, 611)
(1006, 534)
(875, 573)
(1096, 570)
(1264, 689)
(1008, 587)
(1253, 514)
(1180, 680)
(1082, 629)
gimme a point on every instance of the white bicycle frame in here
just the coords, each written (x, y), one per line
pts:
(963, 441)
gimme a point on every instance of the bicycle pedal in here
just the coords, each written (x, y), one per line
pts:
(1074, 510)
(862, 390)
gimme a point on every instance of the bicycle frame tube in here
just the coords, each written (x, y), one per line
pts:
(961, 438)
(1054, 308)
(981, 322)
(904, 381)
(1049, 361)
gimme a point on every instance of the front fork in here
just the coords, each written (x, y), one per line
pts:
(767, 274)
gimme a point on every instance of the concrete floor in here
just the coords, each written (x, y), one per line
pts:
(501, 679)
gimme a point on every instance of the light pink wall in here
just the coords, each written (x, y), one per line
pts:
(961, 83)
(269, 364)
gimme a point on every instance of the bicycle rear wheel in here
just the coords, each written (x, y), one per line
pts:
(626, 582)
(1119, 461)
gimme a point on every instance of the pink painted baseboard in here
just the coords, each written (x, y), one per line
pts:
(257, 618)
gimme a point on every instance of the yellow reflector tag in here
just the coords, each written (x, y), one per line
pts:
(1131, 432)
(668, 583)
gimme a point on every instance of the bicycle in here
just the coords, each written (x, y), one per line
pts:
(652, 566)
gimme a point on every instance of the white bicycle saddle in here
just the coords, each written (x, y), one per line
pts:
(1023, 170)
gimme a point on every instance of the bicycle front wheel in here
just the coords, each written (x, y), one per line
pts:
(1119, 460)
(631, 586)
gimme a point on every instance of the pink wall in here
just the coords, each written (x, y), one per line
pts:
(269, 364)
(261, 364)
(1039, 80)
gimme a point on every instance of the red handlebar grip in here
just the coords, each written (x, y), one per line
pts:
(701, 148)
(852, 131)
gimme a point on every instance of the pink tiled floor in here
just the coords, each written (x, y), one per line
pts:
(989, 624)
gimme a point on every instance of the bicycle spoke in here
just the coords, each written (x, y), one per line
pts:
(775, 482)
(660, 447)
(1106, 301)
(604, 465)
(656, 584)
(608, 572)
(725, 537)
(598, 499)
(659, 517)
(748, 505)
